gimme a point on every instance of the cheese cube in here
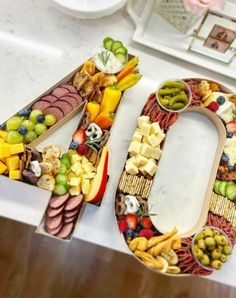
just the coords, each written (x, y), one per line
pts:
(75, 181)
(156, 153)
(3, 134)
(130, 167)
(15, 174)
(145, 129)
(13, 162)
(145, 140)
(3, 167)
(88, 167)
(84, 160)
(85, 186)
(146, 150)
(142, 120)
(155, 128)
(75, 190)
(140, 160)
(2, 141)
(137, 137)
(150, 167)
(75, 157)
(77, 168)
(153, 140)
(160, 137)
(5, 150)
(134, 148)
(17, 148)
(71, 175)
(225, 111)
(89, 175)
(142, 170)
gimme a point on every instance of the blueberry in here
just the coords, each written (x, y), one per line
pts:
(24, 112)
(138, 229)
(231, 168)
(22, 130)
(73, 145)
(129, 233)
(40, 118)
(220, 100)
(224, 158)
(229, 135)
(3, 126)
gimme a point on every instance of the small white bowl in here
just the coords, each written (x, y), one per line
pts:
(192, 247)
(189, 96)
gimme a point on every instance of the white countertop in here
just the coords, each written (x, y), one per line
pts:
(39, 46)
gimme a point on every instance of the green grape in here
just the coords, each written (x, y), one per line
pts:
(30, 136)
(28, 124)
(40, 128)
(14, 123)
(50, 120)
(14, 137)
(33, 115)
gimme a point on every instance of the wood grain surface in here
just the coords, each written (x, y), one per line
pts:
(35, 266)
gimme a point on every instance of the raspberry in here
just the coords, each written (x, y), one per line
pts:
(213, 106)
(147, 233)
(82, 149)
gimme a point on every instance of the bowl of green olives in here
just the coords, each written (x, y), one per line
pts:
(174, 95)
(211, 248)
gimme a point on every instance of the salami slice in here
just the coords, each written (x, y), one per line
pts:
(66, 230)
(57, 112)
(64, 106)
(53, 222)
(71, 213)
(75, 96)
(51, 212)
(54, 231)
(58, 201)
(50, 98)
(70, 100)
(69, 87)
(59, 92)
(41, 105)
(73, 202)
(70, 219)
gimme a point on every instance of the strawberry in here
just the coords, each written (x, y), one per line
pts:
(79, 136)
(213, 106)
(82, 149)
(146, 223)
(122, 225)
(231, 127)
(132, 221)
(147, 233)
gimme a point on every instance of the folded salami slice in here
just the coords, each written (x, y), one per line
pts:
(54, 231)
(66, 230)
(64, 106)
(70, 219)
(57, 112)
(53, 222)
(41, 104)
(58, 201)
(60, 91)
(51, 212)
(73, 202)
(71, 100)
(50, 98)
(71, 213)
(69, 87)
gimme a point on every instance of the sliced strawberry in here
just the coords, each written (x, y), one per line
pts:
(147, 233)
(79, 136)
(146, 222)
(82, 149)
(231, 127)
(213, 106)
(122, 225)
(132, 221)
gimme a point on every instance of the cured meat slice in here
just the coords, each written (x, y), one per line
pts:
(51, 212)
(70, 219)
(57, 112)
(71, 100)
(54, 231)
(50, 98)
(53, 222)
(75, 96)
(73, 202)
(69, 87)
(41, 104)
(64, 106)
(58, 201)
(71, 213)
(60, 91)
(66, 230)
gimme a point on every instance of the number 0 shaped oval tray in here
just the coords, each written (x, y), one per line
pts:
(180, 176)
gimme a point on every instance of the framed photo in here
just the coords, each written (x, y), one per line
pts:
(216, 37)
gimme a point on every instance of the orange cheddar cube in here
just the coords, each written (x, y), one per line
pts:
(4, 150)
(3, 167)
(15, 174)
(13, 163)
(3, 134)
(17, 148)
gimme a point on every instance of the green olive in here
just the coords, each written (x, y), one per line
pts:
(199, 236)
(216, 232)
(205, 260)
(220, 247)
(223, 258)
(201, 244)
(227, 250)
(216, 264)
(215, 254)
(224, 240)
(208, 233)
(198, 253)
(211, 248)
(217, 239)
(209, 241)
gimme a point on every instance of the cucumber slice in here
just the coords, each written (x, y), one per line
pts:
(231, 191)
(63, 168)
(60, 190)
(116, 44)
(121, 50)
(65, 159)
(107, 43)
(121, 57)
(61, 179)
(216, 186)
(222, 188)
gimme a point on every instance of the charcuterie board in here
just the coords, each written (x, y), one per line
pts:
(41, 150)
(179, 177)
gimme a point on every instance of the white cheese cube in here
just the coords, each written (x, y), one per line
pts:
(75, 181)
(143, 119)
(150, 167)
(75, 190)
(140, 160)
(89, 175)
(142, 170)
(145, 129)
(225, 111)
(160, 137)
(88, 167)
(153, 140)
(156, 153)
(134, 148)
(75, 157)
(130, 167)
(155, 128)
(84, 160)
(145, 140)
(146, 150)
(137, 137)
